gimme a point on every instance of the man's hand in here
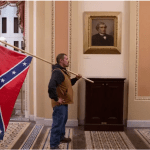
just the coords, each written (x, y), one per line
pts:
(60, 100)
(79, 76)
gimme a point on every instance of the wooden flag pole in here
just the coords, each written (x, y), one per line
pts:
(25, 52)
(41, 59)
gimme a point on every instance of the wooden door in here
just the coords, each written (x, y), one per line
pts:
(95, 99)
(114, 103)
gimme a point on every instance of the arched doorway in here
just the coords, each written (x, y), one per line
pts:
(12, 29)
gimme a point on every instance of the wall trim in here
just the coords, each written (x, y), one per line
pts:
(139, 98)
(53, 33)
(39, 120)
(34, 60)
(48, 122)
(138, 123)
(70, 122)
(81, 122)
(31, 117)
(69, 32)
(137, 50)
(27, 49)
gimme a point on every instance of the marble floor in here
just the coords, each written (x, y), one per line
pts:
(79, 138)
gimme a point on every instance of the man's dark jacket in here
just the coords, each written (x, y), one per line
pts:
(56, 79)
(106, 40)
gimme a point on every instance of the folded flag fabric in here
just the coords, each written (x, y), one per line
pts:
(13, 70)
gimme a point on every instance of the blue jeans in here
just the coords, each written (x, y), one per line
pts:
(60, 116)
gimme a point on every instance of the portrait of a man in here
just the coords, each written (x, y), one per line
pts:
(102, 38)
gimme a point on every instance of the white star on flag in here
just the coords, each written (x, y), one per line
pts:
(2, 80)
(14, 72)
(24, 64)
(0, 131)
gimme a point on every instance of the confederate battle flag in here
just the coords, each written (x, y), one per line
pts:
(13, 69)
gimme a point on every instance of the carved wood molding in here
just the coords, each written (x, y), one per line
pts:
(53, 34)
(70, 34)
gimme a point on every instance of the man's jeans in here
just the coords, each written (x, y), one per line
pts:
(60, 116)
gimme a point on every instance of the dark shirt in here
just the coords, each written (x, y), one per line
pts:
(106, 40)
(56, 79)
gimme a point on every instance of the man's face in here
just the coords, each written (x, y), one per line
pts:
(65, 61)
(102, 29)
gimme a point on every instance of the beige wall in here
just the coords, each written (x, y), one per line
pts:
(43, 50)
(47, 56)
(40, 51)
(31, 107)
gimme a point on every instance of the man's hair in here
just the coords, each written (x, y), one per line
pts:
(97, 26)
(60, 56)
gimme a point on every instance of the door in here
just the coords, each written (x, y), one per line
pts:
(114, 103)
(95, 101)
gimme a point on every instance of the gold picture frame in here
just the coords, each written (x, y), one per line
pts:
(111, 43)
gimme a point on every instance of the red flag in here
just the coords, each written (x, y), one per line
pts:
(13, 69)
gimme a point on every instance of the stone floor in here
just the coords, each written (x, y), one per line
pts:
(79, 138)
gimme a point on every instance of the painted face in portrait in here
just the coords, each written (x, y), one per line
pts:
(102, 29)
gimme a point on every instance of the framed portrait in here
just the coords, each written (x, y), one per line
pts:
(102, 32)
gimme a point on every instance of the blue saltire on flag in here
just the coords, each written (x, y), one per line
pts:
(13, 69)
(1, 126)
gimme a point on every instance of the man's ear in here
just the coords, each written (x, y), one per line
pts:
(60, 60)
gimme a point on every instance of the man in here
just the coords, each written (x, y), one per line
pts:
(102, 39)
(61, 93)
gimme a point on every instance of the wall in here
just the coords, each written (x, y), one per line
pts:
(39, 73)
(89, 65)
(30, 49)
(144, 53)
(102, 65)
(41, 44)
(139, 98)
(124, 65)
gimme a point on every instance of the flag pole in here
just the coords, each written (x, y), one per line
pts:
(41, 59)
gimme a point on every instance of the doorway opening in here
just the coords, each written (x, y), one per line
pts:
(13, 35)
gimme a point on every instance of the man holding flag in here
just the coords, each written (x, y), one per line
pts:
(61, 92)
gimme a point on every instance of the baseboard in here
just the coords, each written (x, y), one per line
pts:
(31, 117)
(48, 122)
(81, 122)
(138, 123)
(39, 120)
(70, 122)
(103, 127)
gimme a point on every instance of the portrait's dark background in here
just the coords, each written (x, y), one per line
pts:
(109, 23)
